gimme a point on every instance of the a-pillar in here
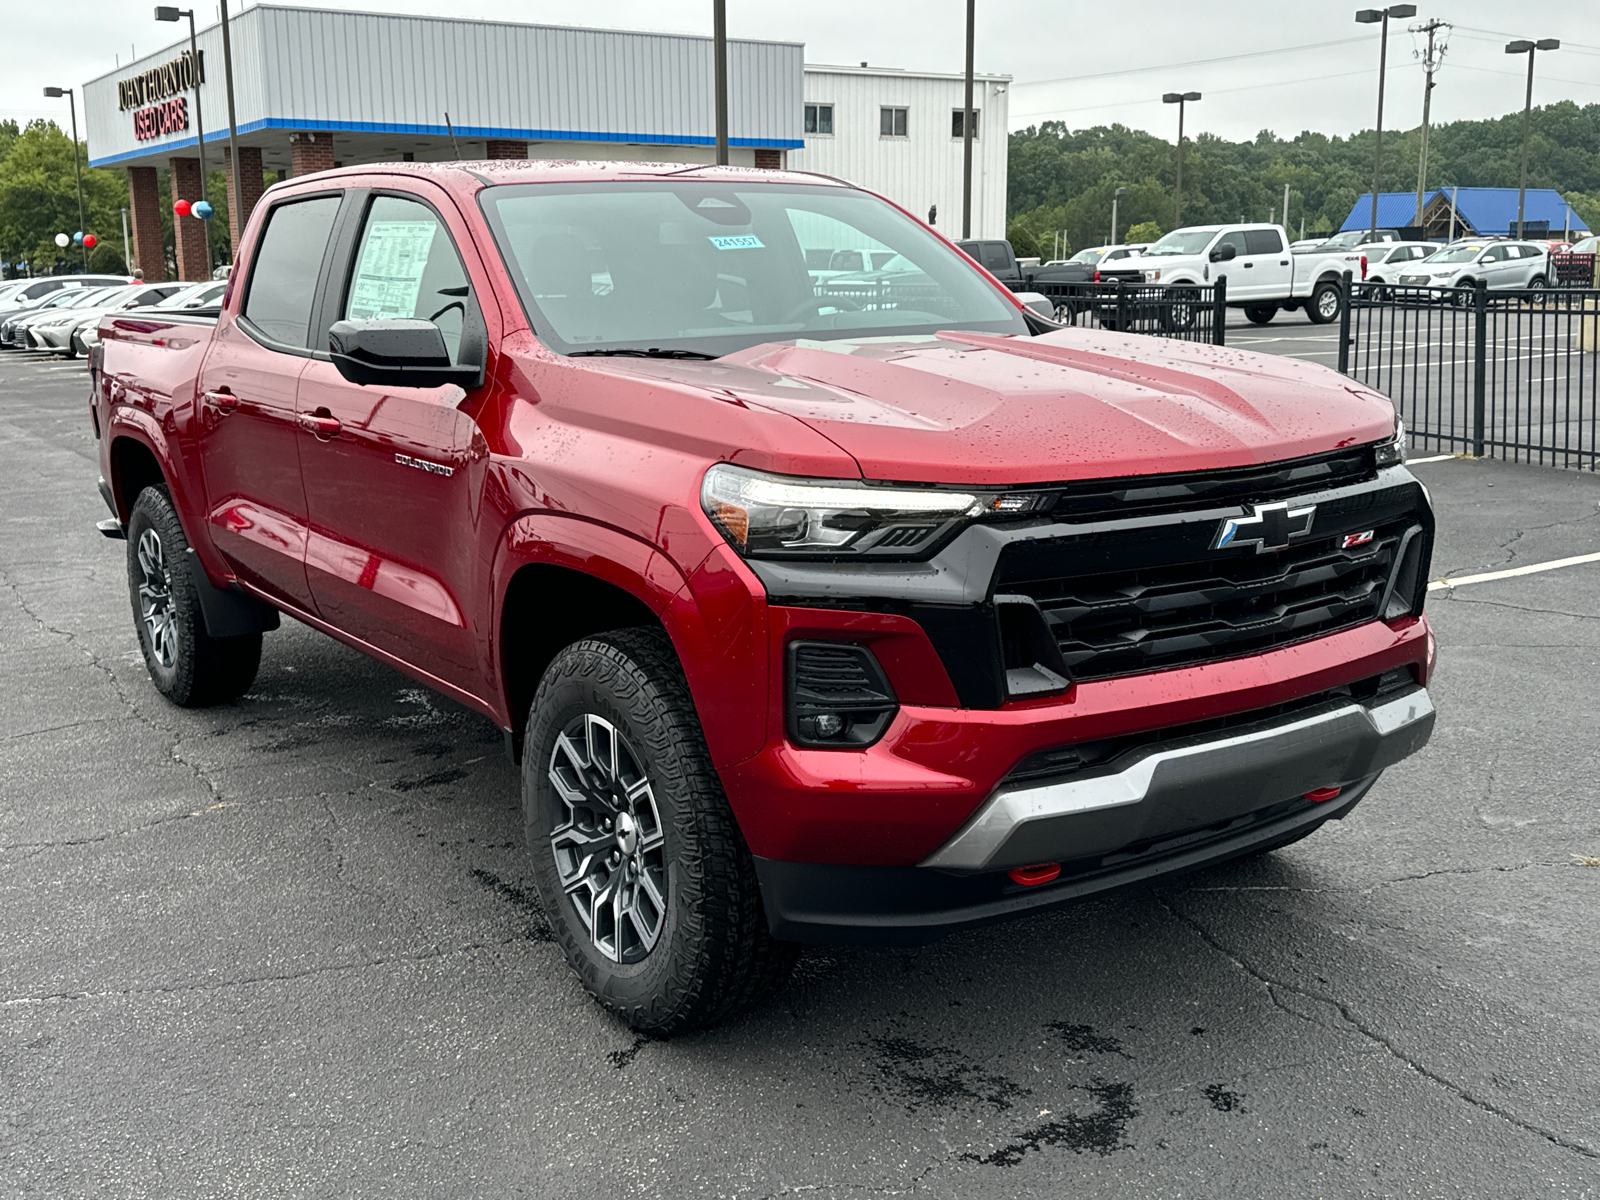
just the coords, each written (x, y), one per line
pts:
(505, 149)
(188, 233)
(144, 206)
(310, 153)
(242, 196)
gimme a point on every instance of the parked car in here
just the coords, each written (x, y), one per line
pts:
(13, 329)
(1498, 264)
(1575, 266)
(996, 256)
(31, 293)
(1097, 256)
(806, 621)
(1263, 274)
(1351, 238)
(1382, 261)
(63, 333)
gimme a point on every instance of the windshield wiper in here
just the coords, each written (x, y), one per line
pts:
(640, 352)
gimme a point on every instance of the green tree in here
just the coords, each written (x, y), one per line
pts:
(39, 198)
(1144, 231)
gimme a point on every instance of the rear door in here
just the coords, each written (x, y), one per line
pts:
(1267, 258)
(394, 476)
(248, 436)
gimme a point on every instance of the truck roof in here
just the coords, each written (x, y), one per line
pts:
(471, 175)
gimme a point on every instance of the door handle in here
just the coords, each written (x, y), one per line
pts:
(1283, 262)
(320, 424)
(224, 402)
(1247, 266)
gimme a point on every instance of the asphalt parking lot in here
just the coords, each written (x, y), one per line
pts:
(289, 947)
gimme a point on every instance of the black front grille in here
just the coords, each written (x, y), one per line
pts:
(1104, 499)
(1156, 614)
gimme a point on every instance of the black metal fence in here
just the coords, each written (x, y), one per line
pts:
(1186, 312)
(1507, 374)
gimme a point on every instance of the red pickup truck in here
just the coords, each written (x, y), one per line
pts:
(813, 607)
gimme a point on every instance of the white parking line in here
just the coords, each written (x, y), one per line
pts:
(1531, 569)
(1411, 462)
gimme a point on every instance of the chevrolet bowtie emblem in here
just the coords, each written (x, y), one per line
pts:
(1271, 527)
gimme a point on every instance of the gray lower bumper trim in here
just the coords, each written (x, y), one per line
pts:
(1187, 785)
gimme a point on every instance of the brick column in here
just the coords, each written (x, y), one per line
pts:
(188, 233)
(505, 149)
(769, 160)
(144, 207)
(248, 192)
(310, 153)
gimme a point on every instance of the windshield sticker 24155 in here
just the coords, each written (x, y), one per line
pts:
(740, 241)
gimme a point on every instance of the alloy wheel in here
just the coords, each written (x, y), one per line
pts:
(155, 599)
(608, 842)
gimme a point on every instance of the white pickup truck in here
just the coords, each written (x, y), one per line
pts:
(1263, 274)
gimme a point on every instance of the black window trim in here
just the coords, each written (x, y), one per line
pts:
(254, 331)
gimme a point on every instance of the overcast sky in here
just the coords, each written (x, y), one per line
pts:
(1138, 50)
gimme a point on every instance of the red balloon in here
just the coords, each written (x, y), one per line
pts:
(89, 241)
(181, 207)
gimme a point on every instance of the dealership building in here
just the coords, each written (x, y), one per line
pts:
(314, 89)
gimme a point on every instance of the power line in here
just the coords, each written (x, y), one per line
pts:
(1502, 34)
(1249, 87)
(1518, 75)
(1198, 62)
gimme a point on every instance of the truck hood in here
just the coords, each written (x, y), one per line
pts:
(976, 409)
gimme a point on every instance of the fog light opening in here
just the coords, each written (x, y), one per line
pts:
(1035, 875)
(829, 725)
(1321, 794)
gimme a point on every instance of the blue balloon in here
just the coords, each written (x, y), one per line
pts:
(78, 237)
(202, 209)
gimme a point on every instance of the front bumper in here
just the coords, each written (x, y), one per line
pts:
(907, 906)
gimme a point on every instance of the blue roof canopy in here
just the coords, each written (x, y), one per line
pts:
(1487, 210)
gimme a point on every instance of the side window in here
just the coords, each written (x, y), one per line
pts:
(408, 267)
(956, 124)
(283, 278)
(1263, 241)
(996, 258)
(1236, 240)
(1495, 254)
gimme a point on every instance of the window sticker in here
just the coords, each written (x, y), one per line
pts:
(389, 275)
(742, 241)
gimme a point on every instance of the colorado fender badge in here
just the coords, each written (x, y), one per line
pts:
(1270, 527)
(422, 464)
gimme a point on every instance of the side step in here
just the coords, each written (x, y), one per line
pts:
(112, 528)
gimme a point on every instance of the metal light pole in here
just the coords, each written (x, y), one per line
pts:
(1115, 196)
(56, 93)
(966, 127)
(172, 14)
(235, 217)
(1180, 99)
(1528, 48)
(1430, 64)
(1372, 16)
(1286, 208)
(719, 42)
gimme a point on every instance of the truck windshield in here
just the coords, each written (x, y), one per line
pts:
(704, 267)
(1087, 257)
(1182, 241)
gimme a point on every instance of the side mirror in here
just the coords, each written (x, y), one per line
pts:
(396, 352)
(1224, 253)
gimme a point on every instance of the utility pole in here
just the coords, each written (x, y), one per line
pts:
(966, 127)
(72, 100)
(1286, 208)
(719, 42)
(1430, 64)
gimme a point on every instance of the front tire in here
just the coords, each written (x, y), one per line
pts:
(1260, 314)
(188, 666)
(639, 863)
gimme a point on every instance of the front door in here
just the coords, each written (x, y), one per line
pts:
(248, 439)
(393, 475)
(1233, 269)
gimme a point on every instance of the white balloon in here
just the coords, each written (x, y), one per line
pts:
(62, 239)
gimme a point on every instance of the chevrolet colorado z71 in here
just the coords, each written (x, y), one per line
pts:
(809, 616)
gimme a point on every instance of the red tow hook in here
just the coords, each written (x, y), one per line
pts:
(1035, 875)
(1320, 794)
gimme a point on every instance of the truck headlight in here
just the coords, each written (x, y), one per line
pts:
(1393, 452)
(781, 516)
(1153, 276)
